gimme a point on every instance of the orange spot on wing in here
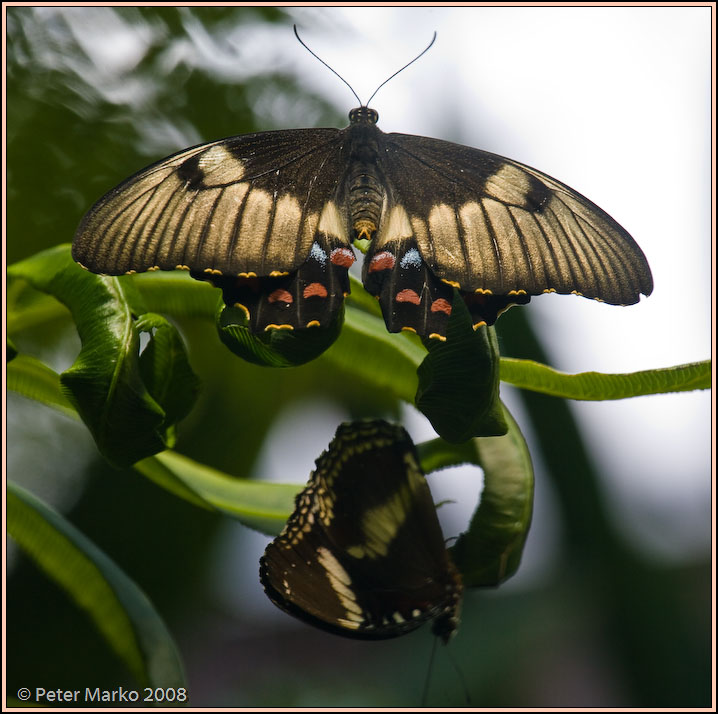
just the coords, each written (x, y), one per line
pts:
(407, 295)
(280, 295)
(342, 257)
(441, 305)
(382, 261)
(315, 290)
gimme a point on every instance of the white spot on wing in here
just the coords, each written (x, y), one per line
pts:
(411, 259)
(255, 222)
(444, 230)
(318, 254)
(341, 583)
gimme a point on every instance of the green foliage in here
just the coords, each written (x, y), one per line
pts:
(132, 401)
(119, 609)
(257, 504)
(129, 401)
(596, 386)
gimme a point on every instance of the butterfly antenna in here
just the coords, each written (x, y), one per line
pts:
(316, 56)
(423, 52)
(462, 679)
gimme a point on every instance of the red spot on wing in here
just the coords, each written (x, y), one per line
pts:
(407, 295)
(382, 261)
(280, 295)
(315, 290)
(343, 257)
(441, 305)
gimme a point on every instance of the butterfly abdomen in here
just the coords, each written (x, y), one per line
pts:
(366, 198)
(365, 184)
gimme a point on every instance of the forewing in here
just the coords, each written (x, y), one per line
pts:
(492, 225)
(247, 205)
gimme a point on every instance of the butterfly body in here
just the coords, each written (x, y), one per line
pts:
(363, 555)
(270, 218)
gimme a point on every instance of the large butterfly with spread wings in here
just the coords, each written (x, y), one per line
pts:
(270, 218)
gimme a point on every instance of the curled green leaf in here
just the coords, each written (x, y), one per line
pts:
(105, 384)
(490, 551)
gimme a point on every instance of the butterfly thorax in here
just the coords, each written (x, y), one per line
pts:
(365, 183)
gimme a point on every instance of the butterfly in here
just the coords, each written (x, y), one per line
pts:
(362, 555)
(270, 218)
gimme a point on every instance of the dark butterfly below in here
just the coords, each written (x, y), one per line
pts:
(270, 219)
(363, 555)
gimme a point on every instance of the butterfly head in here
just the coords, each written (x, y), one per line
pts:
(363, 115)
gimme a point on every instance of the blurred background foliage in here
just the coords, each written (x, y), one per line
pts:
(604, 625)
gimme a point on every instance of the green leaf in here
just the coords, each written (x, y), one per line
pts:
(176, 293)
(259, 505)
(597, 386)
(385, 360)
(33, 379)
(120, 610)
(105, 382)
(27, 308)
(490, 551)
(437, 454)
(459, 380)
(165, 369)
